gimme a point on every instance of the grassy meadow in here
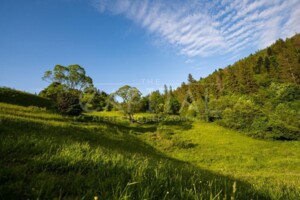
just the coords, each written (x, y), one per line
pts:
(150, 100)
(49, 156)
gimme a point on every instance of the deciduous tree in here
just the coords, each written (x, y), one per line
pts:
(130, 100)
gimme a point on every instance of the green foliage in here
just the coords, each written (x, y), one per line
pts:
(144, 104)
(276, 120)
(191, 79)
(218, 106)
(156, 102)
(269, 51)
(172, 106)
(16, 97)
(68, 103)
(130, 97)
(267, 64)
(68, 84)
(241, 115)
(284, 92)
(52, 91)
(245, 95)
(289, 113)
(258, 65)
(93, 100)
(72, 76)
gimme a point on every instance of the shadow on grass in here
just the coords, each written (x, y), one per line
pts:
(142, 124)
(122, 177)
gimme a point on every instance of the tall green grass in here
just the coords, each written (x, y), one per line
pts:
(12, 96)
(272, 167)
(46, 156)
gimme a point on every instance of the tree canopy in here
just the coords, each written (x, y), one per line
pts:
(72, 76)
(67, 85)
(130, 100)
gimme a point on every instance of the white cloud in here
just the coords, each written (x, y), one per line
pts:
(292, 26)
(189, 61)
(208, 28)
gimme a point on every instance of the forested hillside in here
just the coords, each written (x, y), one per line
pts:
(259, 94)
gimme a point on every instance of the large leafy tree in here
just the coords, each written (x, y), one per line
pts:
(67, 84)
(130, 100)
(93, 100)
(156, 102)
(73, 77)
(52, 91)
(171, 104)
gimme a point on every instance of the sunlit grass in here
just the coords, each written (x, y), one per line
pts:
(271, 166)
(46, 156)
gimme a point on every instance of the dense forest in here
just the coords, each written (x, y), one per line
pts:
(259, 94)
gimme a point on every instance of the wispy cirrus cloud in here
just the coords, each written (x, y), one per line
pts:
(205, 28)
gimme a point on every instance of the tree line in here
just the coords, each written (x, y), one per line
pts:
(73, 92)
(259, 94)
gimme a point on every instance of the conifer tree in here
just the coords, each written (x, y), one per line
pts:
(259, 63)
(267, 64)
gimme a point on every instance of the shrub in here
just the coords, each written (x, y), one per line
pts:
(242, 115)
(281, 93)
(288, 113)
(68, 104)
(281, 131)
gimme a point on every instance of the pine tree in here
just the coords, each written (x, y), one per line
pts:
(231, 81)
(166, 90)
(269, 51)
(259, 63)
(267, 64)
(191, 79)
(246, 80)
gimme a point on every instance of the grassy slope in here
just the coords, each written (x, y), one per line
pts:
(273, 167)
(17, 97)
(48, 156)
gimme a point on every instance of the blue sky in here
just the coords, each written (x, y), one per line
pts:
(143, 43)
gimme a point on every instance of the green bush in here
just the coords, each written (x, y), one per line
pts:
(280, 93)
(281, 131)
(218, 106)
(66, 101)
(289, 113)
(68, 104)
(242, 115)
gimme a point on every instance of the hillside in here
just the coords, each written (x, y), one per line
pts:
(259, 95)
(114, 118)
(17, 97)
(47, 156)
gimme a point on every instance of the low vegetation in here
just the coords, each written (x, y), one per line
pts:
(47, 156)
(232, 135)
(17, 97)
